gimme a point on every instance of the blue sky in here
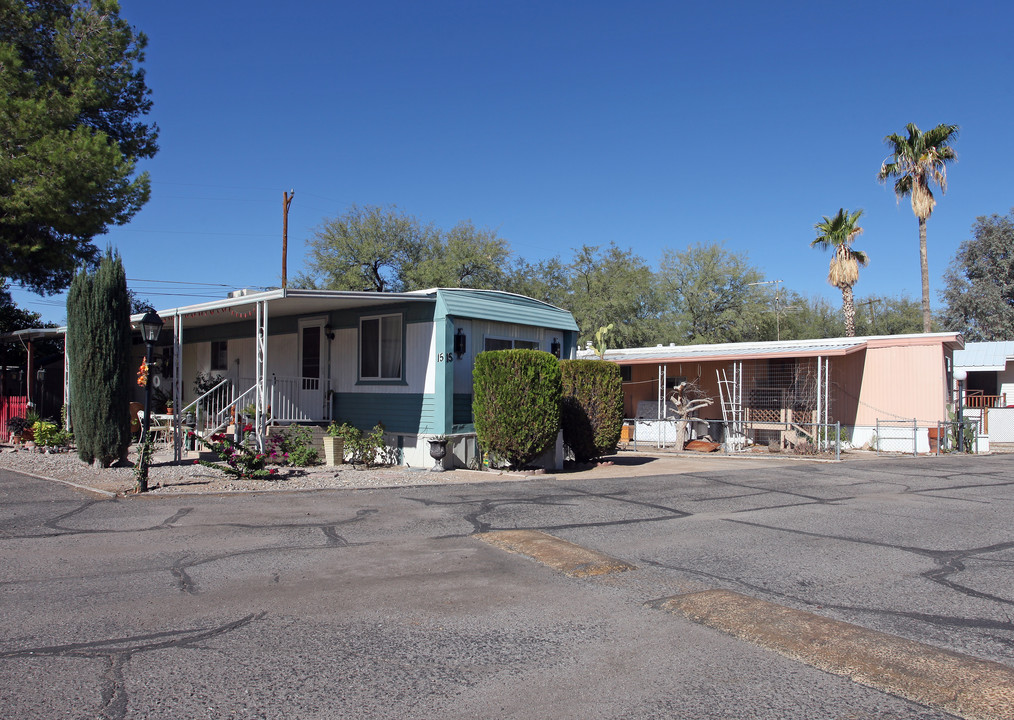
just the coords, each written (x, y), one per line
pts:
(653, 125)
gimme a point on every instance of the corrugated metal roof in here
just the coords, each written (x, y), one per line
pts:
(502, 307)
(985, 356)
(784, 348)
(732, 350)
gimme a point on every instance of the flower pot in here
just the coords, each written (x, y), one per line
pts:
(438, 451)
(334, 450)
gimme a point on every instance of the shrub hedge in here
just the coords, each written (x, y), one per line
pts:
(516, 403)
(101, 369)
(591, 407)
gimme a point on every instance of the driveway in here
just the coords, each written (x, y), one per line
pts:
(383, 603)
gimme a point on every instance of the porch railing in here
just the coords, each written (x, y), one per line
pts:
(211, 409)
(289, 399)
(10, 407)
(978, 400)
(297, 399)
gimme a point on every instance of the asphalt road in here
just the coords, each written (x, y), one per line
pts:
(383, 604)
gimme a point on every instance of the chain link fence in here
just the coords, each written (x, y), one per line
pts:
(812, 439)
(909, 437)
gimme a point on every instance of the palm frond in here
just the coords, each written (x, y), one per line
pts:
(941, 135)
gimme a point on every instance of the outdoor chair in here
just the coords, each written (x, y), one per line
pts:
(136, 419)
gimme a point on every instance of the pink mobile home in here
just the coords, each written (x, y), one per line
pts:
(859, 382)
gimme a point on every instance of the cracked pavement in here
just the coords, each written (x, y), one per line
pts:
(380, 603)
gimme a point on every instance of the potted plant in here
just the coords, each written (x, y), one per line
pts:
(17, 427)
(438, 451)
(31, 417)
(334, 445)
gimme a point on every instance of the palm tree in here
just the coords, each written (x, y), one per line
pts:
(917, 161)
(838, 233)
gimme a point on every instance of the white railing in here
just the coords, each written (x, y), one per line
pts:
(290, 399)
(297, 399)
(211, 409)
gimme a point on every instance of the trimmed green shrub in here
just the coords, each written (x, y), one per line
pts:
(101, 372)
(362, 448)
(591, 407)
(516, 403)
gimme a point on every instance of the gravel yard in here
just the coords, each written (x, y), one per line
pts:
(167, 477)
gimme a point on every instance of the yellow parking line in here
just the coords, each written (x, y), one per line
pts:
(570, 559)
(965, 686)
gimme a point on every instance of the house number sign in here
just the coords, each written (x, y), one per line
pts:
(442, 356)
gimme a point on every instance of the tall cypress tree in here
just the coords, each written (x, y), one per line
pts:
(98, 346)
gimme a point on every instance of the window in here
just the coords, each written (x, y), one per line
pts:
(380, 348)
(493, 343)
(219, 354)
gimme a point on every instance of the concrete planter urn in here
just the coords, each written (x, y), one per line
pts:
(438, 451)
(334, 450)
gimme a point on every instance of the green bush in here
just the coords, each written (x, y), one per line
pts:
(362, 449)
(516, 403)
(591, 407)
(298, 443)
(46, 433)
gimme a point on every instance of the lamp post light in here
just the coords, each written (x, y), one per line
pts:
(961, 376)
(151, 326)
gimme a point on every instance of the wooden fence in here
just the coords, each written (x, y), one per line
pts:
(11, 407)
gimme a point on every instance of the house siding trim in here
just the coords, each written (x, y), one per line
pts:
(400, 413)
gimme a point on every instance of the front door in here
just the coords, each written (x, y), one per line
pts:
(312, 372)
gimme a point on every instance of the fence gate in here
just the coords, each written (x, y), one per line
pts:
(730, 394)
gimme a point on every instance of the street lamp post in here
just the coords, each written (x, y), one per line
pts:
(961, 376)
(151, 325)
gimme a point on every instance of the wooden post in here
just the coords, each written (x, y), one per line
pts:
(286, 201)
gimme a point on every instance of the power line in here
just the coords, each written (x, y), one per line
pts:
(181, 282)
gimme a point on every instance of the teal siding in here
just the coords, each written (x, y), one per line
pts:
(400, 412)
(462, 409)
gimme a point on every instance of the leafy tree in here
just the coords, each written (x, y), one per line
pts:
(791, 316)
(613, 286)
(364, 249)
(979, 292)
(709, 295)
(890, 316)
(465, 256)
(546, 280)
(838, 233)
(917, 161)
(101, 373)
(13, 318)
(71, 95)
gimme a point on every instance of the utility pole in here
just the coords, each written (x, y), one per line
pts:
(286, 201)
(873, 319)
(778, 306)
